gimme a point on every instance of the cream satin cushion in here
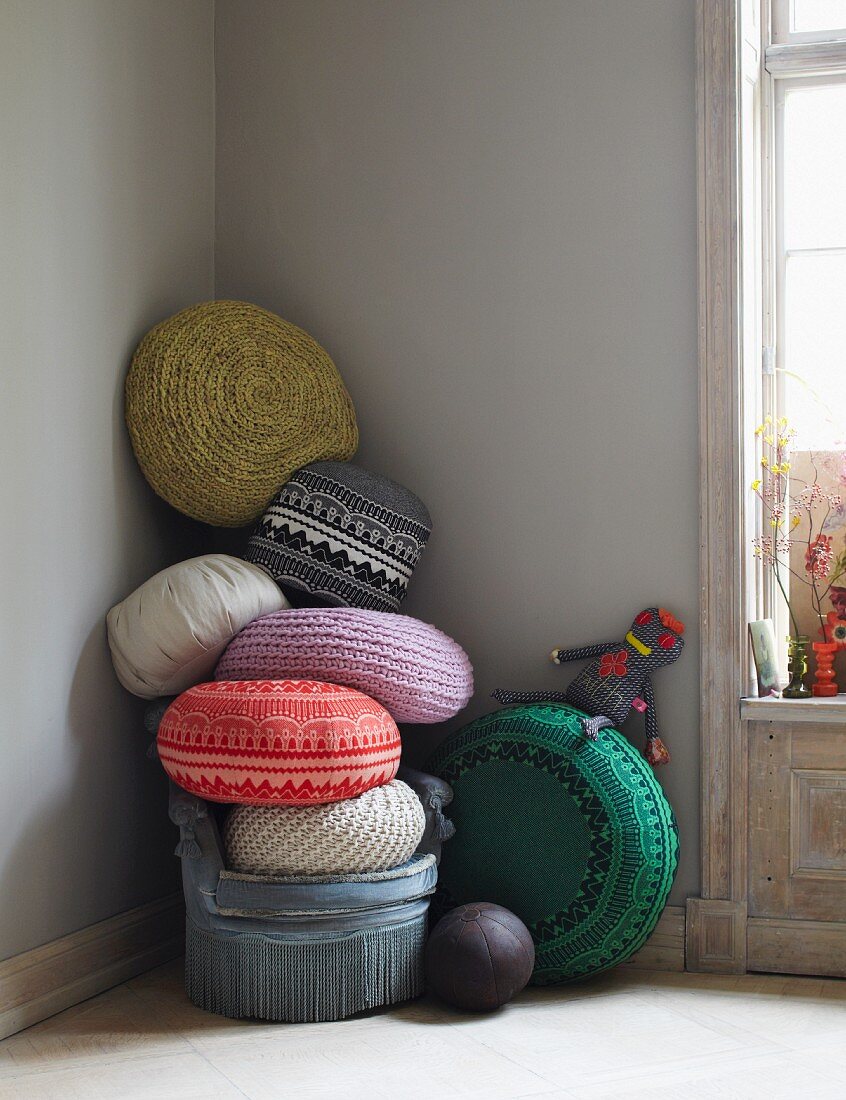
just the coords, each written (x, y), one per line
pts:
(168, 635)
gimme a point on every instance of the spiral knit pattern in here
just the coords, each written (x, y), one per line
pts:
(415, 671)
(224, 401)
(374, 832)
(293, 742)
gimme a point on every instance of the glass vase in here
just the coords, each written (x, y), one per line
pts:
(797, 666)
(824, 684)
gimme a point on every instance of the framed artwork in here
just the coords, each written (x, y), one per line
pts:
(762, 638)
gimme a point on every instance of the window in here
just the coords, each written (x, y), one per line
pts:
(811, 282)
(803, 283)
(808, 20)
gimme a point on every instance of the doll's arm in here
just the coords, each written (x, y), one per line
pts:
(656, 751)
(508, 698)
(560, 656)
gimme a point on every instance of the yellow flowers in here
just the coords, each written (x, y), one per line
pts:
(756, 485)
(794, 523)
(784, 432)
(774, 468)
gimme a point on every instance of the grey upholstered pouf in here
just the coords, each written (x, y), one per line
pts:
(318, 949)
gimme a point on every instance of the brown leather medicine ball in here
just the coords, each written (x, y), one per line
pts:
(479, 956)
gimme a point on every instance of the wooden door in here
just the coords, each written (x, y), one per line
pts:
(797, 848)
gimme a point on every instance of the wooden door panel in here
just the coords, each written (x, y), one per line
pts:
(797, 821)
(818, 824)
(796, 946)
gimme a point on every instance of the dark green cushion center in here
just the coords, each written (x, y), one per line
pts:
(511, 802)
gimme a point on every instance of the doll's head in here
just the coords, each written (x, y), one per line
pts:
(657, 635)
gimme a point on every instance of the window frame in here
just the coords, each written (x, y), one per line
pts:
(782, 34)
(786, 67)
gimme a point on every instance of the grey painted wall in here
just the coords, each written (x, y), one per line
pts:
(106, 223)
(485, 209)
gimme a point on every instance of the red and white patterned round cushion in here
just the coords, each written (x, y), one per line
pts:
(290, 742)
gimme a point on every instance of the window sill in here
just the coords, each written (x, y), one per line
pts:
(831, 711)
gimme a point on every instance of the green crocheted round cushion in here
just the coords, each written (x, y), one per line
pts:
(574, 836)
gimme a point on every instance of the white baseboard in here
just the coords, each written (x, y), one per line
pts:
(664, 950)
(50, 978)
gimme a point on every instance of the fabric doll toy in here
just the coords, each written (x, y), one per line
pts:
(617, 678)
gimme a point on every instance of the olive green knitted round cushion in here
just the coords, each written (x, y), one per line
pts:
(574, 836)
(224, 401)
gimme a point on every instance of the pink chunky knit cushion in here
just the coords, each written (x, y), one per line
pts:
(414, 670)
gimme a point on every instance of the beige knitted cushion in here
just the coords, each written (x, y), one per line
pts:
(374, 832)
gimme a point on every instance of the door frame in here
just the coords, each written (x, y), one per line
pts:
(716, 921)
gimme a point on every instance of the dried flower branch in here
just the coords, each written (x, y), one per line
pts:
(785, 502)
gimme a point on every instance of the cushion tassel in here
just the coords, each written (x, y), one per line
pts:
(304, 978)
(443, 827)
(188, 848)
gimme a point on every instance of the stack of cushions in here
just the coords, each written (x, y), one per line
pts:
(286, 713)
(289, 713)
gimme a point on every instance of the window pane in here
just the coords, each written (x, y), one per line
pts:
(817, 15)
(815, 167)
(815, 349)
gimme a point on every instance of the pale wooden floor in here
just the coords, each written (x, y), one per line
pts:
(628, 1034)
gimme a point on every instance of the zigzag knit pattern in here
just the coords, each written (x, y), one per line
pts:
(374, 832)
(348, 537)
(418, 673)
(293, 742)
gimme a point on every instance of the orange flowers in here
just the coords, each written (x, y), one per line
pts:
(835, 629)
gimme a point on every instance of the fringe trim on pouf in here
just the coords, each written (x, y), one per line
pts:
(304, 979)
